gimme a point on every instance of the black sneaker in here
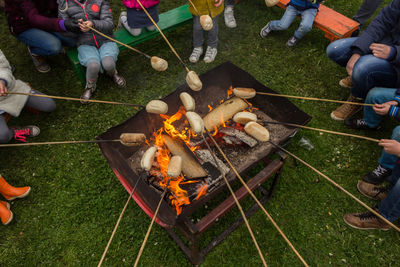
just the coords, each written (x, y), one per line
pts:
(358, 124)
(292, 41)
(21, 133)
(265, 31)
(378, 175)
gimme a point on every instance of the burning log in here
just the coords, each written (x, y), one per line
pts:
(190, 167)
(223, 112)
(251, 142)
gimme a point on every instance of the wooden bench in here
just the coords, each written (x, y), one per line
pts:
(169, 20)
(334, 24)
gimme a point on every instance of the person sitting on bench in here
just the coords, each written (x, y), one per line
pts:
(135, 19)
(371, 60)
(95, 52)
(35, 23)
(13, 104)
(306, 8)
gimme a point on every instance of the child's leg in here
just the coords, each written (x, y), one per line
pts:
(377, 95)
(307, 19)
(390, 206)
(89, 57)
(109, 54)
(285, 21)
(5, 133)
(213, 34)
(198, 37)
(40, 103)
(123, 19)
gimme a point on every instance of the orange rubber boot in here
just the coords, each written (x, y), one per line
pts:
(10, 192)
(5, 213)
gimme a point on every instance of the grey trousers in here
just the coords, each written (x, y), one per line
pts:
(198, 33)
(366, 10)
(38, 103)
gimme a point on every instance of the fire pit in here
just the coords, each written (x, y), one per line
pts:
(202, 179)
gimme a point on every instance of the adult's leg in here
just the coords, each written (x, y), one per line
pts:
(390, 206)
(5, 133)
(339, 50)
(66, 40)
(43, 104)
(287, 19)
(198, 37)
(213, 34)
(366, 10)
(40, 42)
(377, 95)
(307, 19)
(388, 160)
(369, 72)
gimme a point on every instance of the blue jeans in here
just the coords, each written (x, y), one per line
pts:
(44, 43)
(390, 206)
(368, 72)
(307, 19)
(379, 96)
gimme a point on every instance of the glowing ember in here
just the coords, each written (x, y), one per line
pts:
(230, 91)
(202, 190)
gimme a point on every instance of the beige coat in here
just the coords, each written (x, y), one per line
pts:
(12, 104)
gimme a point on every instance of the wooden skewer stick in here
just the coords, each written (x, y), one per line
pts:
(236, 200)
(257, 201)
(59, 143)
(194, 7)
(162, 34)
(337, 186)
(316, 99)
(151, 224)
(78, 99)
(114, 40)
(117, 225)
(324, 131)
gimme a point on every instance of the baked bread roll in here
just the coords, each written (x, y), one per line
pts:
(244, 93)
(206, 22)
(257, 131)
(193, 81)
(244, 117)
(159, 64)
(187, 101)
(157, 107)
(148, 157)
(132, 139)
(196, 122)
(174, 166)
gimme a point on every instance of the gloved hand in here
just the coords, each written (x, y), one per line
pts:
(72, 25)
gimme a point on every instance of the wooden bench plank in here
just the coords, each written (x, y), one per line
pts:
(334, 24)
(169, 20)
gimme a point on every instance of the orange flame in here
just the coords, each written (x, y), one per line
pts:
(202, 190)
(210, 108)
(230, 91)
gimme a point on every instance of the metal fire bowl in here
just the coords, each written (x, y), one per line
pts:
(215, 85)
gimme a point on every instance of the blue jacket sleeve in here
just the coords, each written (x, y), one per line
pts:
(394, 112)
(379, 27)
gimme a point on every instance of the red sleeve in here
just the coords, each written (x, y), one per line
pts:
(37, 20)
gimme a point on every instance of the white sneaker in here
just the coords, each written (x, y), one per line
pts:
(195, 56)
(230, 21)
(122, 19)
(211, 53)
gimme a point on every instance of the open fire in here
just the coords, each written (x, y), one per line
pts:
(228, 133)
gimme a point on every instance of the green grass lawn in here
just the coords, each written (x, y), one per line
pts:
(76, 198)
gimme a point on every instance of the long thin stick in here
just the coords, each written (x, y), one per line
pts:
(77, 99)
(258, 202)
(316, 99)
(194, 7)
(338, 186)
(151, 224)
(117, 224)
(162, 34)
(59, 143)
(322, 130)
(112, 39)
(236, 200)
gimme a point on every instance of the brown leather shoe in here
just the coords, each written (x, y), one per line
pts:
(364, 221)
(346, 82)
(371, 190)
(346, 110)
(40, 62)
(87, 93)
